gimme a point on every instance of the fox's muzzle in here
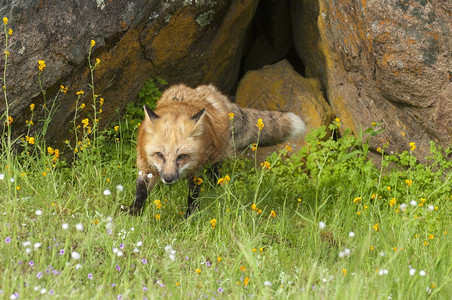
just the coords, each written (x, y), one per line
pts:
(169, 178)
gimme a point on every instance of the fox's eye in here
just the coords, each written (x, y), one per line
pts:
(159, 155)
(182, 157)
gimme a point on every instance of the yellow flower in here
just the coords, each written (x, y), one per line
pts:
(388, 188)
(379, 149)
(395, 249)
(10, 120)
(10, 31)
(31, 140)
(85, 122)
(265, 164)
(299, 200)
(18, 187)
(219, 259)
(260, 124)
(374, 124)
(344, 271)
(32, 107)
(273, 214)
(101, 101)
(7, 53)
(338, 122)
(44, 173)
(288, 148)
(96, 221)
(63, 88)
(97, 61)
(41, 65)
(409, 182)
(253, 147)
(5, 20)
(223, 180)
(392, 202)
(376, 227)
(82, 106)
(247, 279)
(243, 268)
(198, 271)
(254, 207)
(50, 150)
(81, 92)
(197, 180)
(116, 128)
(231, 116)
(158, 204)
(213, 222)
(157, 217)
(93, 43)
(357, 200)
(431, 237)
(412, 146)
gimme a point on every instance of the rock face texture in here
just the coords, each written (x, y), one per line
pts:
(386, 61)
(193, 42)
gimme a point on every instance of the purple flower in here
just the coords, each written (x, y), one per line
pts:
(31, 263)
(208, 263)
(119, 296)
(121, 246)
(118, 268)
(144, 261)
(145, 289)
(39, 275)
(90, 276)
(220, 290)
(62, 252)
(113, 284)
(51, 292)
(8, 240)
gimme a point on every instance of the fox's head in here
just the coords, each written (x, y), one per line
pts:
(173, 141)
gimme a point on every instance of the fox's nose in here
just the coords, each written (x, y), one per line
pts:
(169, 179)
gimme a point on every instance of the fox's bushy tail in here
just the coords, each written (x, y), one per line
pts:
(278, 127)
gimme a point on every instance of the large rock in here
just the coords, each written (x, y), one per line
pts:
(182, 41)
(280, 87)
(387, 61)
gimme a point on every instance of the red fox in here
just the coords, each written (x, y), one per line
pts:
(191, 128)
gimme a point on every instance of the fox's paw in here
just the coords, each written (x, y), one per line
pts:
(132, 210)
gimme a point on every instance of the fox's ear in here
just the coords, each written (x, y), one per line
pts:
(198, 126)
(150, 114)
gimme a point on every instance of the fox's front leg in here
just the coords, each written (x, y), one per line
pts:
(193, 193)
(145, 183)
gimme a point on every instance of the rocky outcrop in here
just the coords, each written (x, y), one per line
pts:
(280, 87)
(182, 41)
(385, 61)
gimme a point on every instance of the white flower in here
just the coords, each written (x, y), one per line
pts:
(11, 179)
(109, 226)
(382, 253)
(413, 203)
(65, 226)
(26, 244)
(37, 245)
(43, 291)
(75, 255)
(351, 234)
(119, 253)
(267, 283)
(412, 272)
(322, 225)
(38, 212)
(382, 272)
(28, 250)
(422, 273)
(79, 226)
(120, 188)
(78, 266)
(136, 250)
(403, 206)
(115, 250)
(107, 193)
(139, 244)
(431, 207)
(2, 176)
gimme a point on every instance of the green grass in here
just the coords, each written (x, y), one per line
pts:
(63, 236)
